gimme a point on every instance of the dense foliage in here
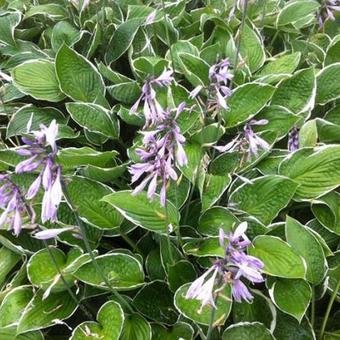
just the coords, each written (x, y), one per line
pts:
(169, 169)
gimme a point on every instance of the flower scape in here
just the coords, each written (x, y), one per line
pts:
(170, 170)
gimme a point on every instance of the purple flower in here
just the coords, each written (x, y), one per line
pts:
(153, 111)
(327, 11)
(202, 289)
(42, 151)
(293, 139)
(235, 265)
(249, 138)
(51, 233)
(219, 76)
(163, 146)
(13, 204)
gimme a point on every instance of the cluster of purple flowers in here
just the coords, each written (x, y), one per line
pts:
(229, 270)
(293, 139)
(249, 141)
(42, 150)
(153, 111)
(219, 91)
(163, 147)
(13, 205)
(327, 12)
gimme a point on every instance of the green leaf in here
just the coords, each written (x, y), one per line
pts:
(141, 211)
(261, 309)
(279, 258)
(204, 247)
(215, 218)
(195, 69)
(37, 78)
(333, 51)
(10, 333)
(208, 135)
(291, 296)
(194, 154)
(283, 64)
(37, 115)
(123, 272)
(155, 301)
(213, 188)
(42, 271)
(246, 101)
(180, 273)
(86, 196)
(297, 93)
(180, 330)
(77, 77)
(40, 313)
(246, 331)
(328, 84)
(308, 134)
(135, 328)
(8, 23)
(50, 10)
(94, 118)
(265, 197)
(71, 158)
(13, 305)
(110, 323)
(190, 308)
(307, 245)
(296, 10)
(317, 171)
(8, 260)
(126, 93)
(64, 32)
(103, 174)
(122, 39)
(326, 210)
(251, 48)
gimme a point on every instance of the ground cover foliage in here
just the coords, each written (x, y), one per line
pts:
(169, 169)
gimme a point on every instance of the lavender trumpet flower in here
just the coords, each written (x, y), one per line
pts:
(153, 111)
(219, 76)
(293, 139)
(327, 11)
(162, 148)
(13, 204)
(42, 151)
(235, 265)
(248, 141)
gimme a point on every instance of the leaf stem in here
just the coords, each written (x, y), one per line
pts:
(120, 299)
(312, 312)
(329, 308)
(211, 323)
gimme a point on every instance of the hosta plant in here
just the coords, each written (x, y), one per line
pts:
(170, 169)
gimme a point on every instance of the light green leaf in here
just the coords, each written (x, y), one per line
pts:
(279, 258)
(8, 260)
(77, 77)
(135, 328)
(204, 247)
(8, 23)
(50, 10)
(64, 32)
(246, 101)
(122, 39)
(94, 118)
(13, 305)
(37, 115)
(37, 78)
(328, 84)
(246, 331)
(291, 296)
(215, 218)
(40, 313)
(179, 330)
(296, 10)
(123, 272)
(251, 48)
(126, 93)
(141, 211)
(190, 308)
(86, 195)
(317, 171)
(297, 93)
(110, 323)
(265, 197)
(307, 245)
(194, 154)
